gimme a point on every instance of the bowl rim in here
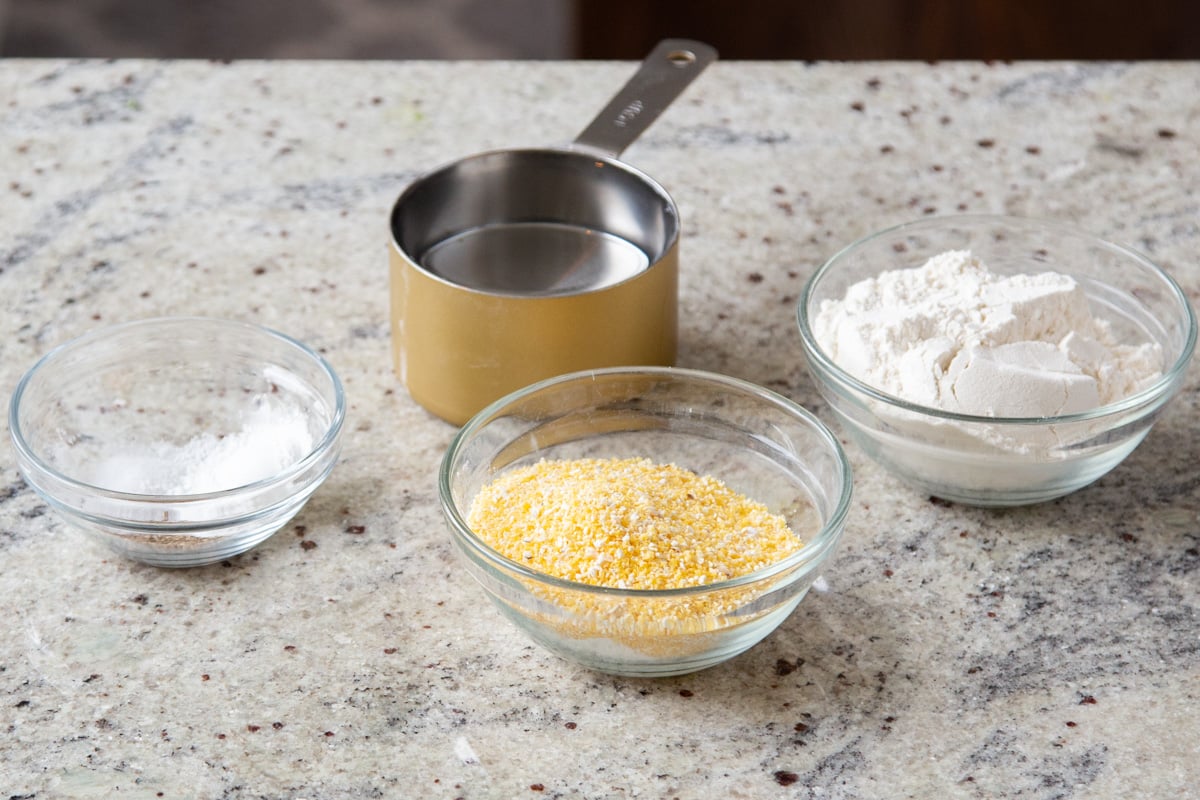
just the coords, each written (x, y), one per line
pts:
(1155, 391)
(814, 549)
(27, 455)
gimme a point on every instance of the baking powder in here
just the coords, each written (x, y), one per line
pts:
(271, 438)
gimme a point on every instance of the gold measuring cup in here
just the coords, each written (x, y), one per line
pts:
(512, 266)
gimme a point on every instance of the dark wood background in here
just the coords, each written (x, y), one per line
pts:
(626, 29)
(896, 29)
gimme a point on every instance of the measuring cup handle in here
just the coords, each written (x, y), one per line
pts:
(662, 77)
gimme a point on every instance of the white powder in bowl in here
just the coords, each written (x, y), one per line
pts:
(271, 438)
(953, 335)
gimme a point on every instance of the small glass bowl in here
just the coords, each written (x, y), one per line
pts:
(178, 441)
(756, 442)
(1005, 461)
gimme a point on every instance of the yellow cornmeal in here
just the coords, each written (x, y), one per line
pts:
(628, 524)
(634, 524)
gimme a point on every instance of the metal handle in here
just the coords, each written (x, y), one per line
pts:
(671, 66)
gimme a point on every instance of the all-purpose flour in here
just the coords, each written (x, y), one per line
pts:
(953, 335)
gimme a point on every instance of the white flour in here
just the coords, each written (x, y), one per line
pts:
(271, 438)
(953, 335)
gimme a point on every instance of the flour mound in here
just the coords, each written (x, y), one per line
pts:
(953, 335)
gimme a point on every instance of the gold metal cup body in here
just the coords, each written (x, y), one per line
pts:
(457, 349)
(498, 318)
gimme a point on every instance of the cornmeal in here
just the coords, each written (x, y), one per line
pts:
(628, 524)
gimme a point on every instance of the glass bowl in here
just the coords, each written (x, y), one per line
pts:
(178, 441)
(996, 460)
(754, 441)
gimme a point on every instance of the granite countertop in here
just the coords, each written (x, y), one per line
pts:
(1044, 652)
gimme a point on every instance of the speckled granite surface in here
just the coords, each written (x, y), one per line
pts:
(1048, 652)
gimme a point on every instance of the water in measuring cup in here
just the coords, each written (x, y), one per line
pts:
(540, 259)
